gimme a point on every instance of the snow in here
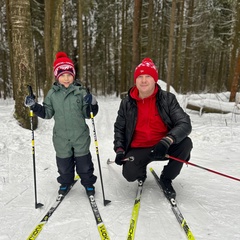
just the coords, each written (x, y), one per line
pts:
(209, 202)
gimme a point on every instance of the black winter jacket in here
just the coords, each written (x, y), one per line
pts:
(177, 121)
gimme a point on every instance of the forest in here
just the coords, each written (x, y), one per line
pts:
(194, 44)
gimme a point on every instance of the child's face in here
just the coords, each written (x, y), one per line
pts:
(66, 79)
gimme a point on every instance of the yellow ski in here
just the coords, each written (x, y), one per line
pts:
(176, 211)
(46, 217)
(135, 211)
(100, 224)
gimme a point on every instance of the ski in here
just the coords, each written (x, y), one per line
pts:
(34, 234)
(176, 210)
(100, 224)
(135, 211)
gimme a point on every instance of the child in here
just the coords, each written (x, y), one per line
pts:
(69, 104)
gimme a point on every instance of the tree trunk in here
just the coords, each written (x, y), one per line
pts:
(150, 49)
(48, 46)
(170, 46)
(188, 47)
(136, 33)
(235, 82)
(22, 55)
(116, 42)
(80, 40)
(123, 56)
(52, 37)
(235, 61)
(178, 51)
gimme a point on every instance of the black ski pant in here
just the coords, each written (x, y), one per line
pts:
(138, 168)
(84, 168)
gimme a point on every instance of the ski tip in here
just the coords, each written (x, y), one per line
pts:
(106, 202)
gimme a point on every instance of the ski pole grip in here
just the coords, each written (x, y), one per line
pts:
(30, 90)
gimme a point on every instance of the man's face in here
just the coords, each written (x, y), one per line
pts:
(145, 85)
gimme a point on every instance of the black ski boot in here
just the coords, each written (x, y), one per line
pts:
(64, 188)
(167, 187)
(90, 190)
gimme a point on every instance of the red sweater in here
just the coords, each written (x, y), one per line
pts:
(150, 128)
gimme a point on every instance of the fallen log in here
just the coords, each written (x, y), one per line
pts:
(210, 106)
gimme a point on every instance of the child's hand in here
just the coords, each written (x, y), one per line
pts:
(90, 99)
(29, 101)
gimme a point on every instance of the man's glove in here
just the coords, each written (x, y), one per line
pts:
(30, 101)
(120, 156)
(90, 99)
(160, 149)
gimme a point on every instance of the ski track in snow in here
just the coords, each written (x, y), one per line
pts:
(208, 202)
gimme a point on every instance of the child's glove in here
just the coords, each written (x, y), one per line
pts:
(30, 101)
(90, 99)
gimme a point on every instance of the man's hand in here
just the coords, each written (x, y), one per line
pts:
(160, 149)
(120, 156)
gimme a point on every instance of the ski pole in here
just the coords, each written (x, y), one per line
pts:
(128, 159)
(105, 202)
(37, 205)
(207, 169)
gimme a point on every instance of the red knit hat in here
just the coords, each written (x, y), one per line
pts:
(63, 64)
(146, 67)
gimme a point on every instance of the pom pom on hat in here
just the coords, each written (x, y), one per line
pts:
(146, 67)
(63, 64)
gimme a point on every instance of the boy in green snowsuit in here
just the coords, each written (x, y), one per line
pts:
(69, 104)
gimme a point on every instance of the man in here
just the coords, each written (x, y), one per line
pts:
(150, 124)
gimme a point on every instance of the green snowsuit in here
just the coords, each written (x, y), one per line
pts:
(69, 111)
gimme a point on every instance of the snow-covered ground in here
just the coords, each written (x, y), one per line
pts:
(209, 202)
